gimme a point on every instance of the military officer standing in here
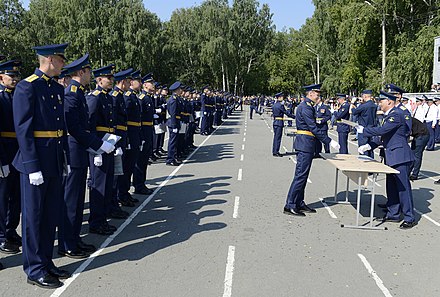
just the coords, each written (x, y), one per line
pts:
(101, 120)
(366, 114)
(343, 112)
(253, 107)
(148, 113)
(173, 123)
(323, 115)
(80, 139)
(278, 112)
(394, 137)
(41, 160)
(305, 144)
(9, 176)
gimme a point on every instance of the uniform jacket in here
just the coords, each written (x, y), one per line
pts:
(366, 113)
(147, 114)
(174, 111)
(343, 113)
(133, 109)
(323, 115)
(278, 112)
(8, 142)
(120, 116)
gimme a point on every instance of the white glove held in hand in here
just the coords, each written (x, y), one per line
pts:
(158, 110)
(36, 178)
(107, 147)
(363, 148)
(119, 152)
(360, 129)
(335, 145)
(97, 160)
(175, 130)
(4, 171)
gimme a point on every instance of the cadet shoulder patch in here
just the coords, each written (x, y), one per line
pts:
(31, 78)
(308, 103)
(96, 92)
(403, 107)
(128, 93)
(115, 93)
(141, 96)
(391, 119)
(73, 89)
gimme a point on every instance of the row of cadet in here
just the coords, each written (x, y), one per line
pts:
(57, 138)
(424, 114)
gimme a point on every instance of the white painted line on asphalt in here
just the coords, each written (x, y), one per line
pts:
(227, 292)
(377, 279)
(242, 147)
(109, 239)
(242, 158)
(244, 134)
(330, 212)
(240, 174)
(236, 204)
(427, 217)
(244, 139)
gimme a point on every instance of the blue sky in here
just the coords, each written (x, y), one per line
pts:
(287, 13)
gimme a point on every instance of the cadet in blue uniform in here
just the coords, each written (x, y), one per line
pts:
(278, 112)
(134, 139)
(253, 107)
(101, 121)
(305, 143)
(41, 160)
(173, 123)
(148, 113)
(80, 139)
(366, 115)
(343, 112)
(122, 81)
(9, 176)
(323, 115)
(204, 99)
(394, 137)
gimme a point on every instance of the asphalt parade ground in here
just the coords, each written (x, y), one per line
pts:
(214, 226)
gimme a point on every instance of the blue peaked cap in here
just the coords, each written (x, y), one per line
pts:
(123, 74)
(279, 94)
(387, 96)
(392, 88)
(10, 67)
(51, 49)
(79, 64)
(136, 75)
(104, 71)
(315, 87)
(175, 86)
(367, 92)
(148, 77)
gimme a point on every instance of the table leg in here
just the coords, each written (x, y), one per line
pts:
(346, 190)
(336, 185)
(358, 206)
(372, 199)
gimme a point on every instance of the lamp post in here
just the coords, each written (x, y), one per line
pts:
(384, 36)
(317, 62)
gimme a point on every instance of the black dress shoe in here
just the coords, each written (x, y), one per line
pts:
(111, 227)
(277, 155)
(294, 212)
(101, 230)
(407, 225)
(60, 273)
(119, 215)
(14, 238)
(76, 254)
(437, 182)
(8, 247)
(413, 177)
(1, 266)
(132, 199)
(172, 163)
(163, 151)
(88, 248)
(382, 205)
(124, 202)
(143, 191)
(47, 282)
(391, 220)
(308, 209)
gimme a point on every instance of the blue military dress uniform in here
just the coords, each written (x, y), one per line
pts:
(101, 120)
(204, 125)
(147, 130)
(10, 185)
(305, 144)
(323, 115)
(38, 110)
(253, 106)
(366, 113)
(343, 129)
(173, 122)
(394, 135)
(278, 112)
(80, 139)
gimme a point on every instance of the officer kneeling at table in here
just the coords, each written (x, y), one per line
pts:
(394, 134)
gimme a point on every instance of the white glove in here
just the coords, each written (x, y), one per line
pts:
(335, 145)
(158, 110)
(107, 147)
(318, 121)
(164, 105)
(97, 160)
(69, 170)
(36, 178)
(363, 148)
(119, 152)
(141, 147)
(205, 113)
(175, 130)
(360, 129)
(155, 116)
(4, 171)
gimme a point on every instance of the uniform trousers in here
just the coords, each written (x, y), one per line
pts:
(40, 216)
(431, 141)
(418, 147)
(129, 159)
(72, 209)
(399, 193)
(9, 204)
(295, 197)
(277, 135)
(172, 146)
(140, 169)
(343, 142)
